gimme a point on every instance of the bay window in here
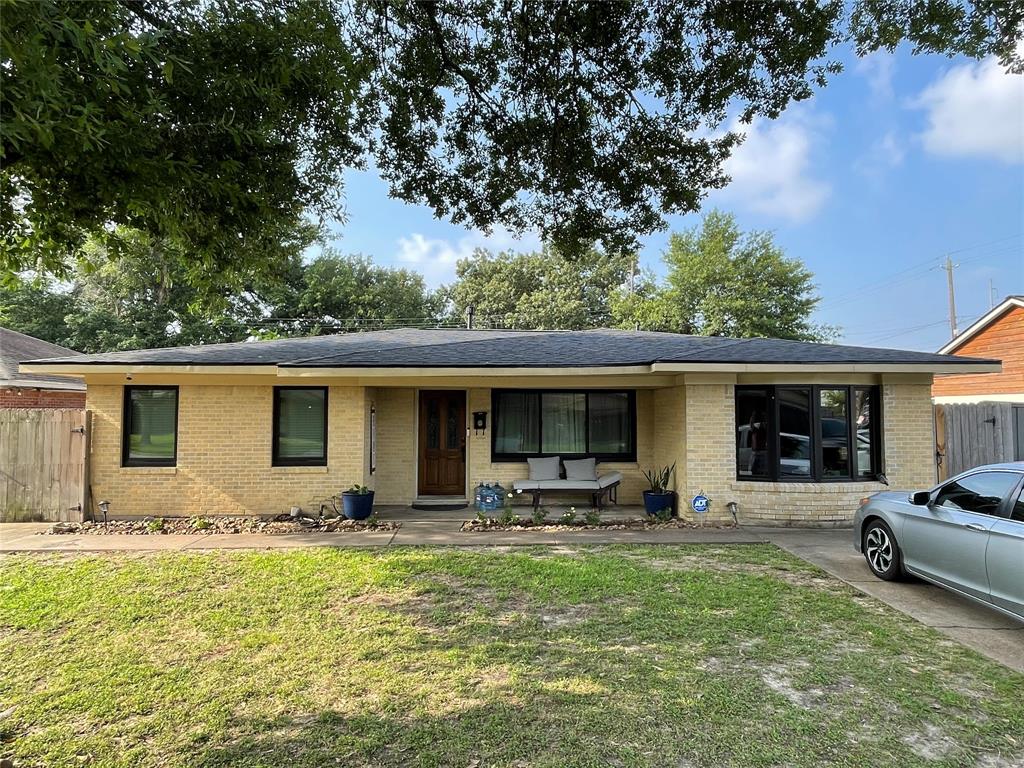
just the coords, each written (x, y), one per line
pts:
(808, 433)
(567, 423)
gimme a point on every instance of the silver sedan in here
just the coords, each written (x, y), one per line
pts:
(966, 534)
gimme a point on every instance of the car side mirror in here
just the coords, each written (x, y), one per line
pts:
(920, 498)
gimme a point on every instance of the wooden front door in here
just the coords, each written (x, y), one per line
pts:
(442, 443)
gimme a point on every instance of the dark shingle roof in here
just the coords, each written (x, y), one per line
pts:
(17, 348)
(440, 348)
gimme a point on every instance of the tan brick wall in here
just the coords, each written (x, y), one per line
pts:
(224, 443)
(481, 469)
(395, 478)
(224, 462)
(909, 425)
(670, 432)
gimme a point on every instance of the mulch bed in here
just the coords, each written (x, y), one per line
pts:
(632, 524)
(190, 526)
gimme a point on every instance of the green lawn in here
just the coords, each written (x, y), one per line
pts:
(621, 656)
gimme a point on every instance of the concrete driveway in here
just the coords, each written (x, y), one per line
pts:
(990, 633)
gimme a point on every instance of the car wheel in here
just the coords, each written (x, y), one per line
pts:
(882, 552)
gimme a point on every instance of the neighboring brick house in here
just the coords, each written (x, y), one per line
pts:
(980, 417)
(792, 432)
(30, 390)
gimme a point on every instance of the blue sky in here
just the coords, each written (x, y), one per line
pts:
(900, 160)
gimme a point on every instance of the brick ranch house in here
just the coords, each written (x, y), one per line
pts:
(29, 390)
(793, 432)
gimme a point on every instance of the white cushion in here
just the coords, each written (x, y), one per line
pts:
(581, 469)
(525, 485)
(609, 478)
(544, 469)
(569, 485)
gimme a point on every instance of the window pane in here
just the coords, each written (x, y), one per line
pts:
(752, 406)
(300, 424)
(794, 433)
(981, 493)
(1017, 512)
(610, 428)
(835, 447)
(563, 415)
(862, 414)
(151, 426)
(517, 422)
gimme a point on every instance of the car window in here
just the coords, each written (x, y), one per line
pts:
(981, 492)
(1017, 510)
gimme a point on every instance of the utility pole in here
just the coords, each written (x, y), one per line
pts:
(470, 311)
(949, 267)
(991, 294)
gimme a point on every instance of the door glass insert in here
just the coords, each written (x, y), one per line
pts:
(452, 426)
(433, 424)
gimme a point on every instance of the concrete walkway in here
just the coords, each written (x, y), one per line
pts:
(986, 631)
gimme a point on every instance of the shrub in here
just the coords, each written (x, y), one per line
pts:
(568, 517)
(372, 521)
(201, 524)
(508, 517)
(540, 516)
(592, 517)
(155, 525)
(664, 515)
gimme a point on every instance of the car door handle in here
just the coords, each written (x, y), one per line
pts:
(976, 527)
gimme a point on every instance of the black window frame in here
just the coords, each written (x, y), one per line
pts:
(276, 459)
(522, 457)
(126, 426)
(815, 475)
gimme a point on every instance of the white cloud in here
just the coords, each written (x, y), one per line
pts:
(878, 69)
(772, 169)
(887, 152)
(975, 110)
(435, 258)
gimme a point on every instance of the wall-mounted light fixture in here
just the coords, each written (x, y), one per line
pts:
(479, 421)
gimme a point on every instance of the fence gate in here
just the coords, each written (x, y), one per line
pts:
(971, 434)
(43, 464)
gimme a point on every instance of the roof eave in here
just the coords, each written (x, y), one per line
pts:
(981, 324)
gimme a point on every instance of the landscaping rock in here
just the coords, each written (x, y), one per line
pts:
(630, 524)
(191, 526)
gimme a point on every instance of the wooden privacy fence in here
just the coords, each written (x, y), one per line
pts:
(43, 464)
(971, 434)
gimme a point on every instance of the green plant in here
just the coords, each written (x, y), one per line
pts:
(155, 525)
(201, 524)
(568, 517)
(359, 490)
(372, 521)
(659, 478)
(539, 516)
(508, 517)
(592, 517)
(664, 515)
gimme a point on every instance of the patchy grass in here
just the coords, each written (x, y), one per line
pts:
(622, 656)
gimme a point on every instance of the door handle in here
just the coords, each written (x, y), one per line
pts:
(976, 527)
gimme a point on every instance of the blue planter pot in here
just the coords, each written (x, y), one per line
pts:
(357, 506)
(655, 502)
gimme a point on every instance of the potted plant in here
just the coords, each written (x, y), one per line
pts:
(357, 502)
(659, 497)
